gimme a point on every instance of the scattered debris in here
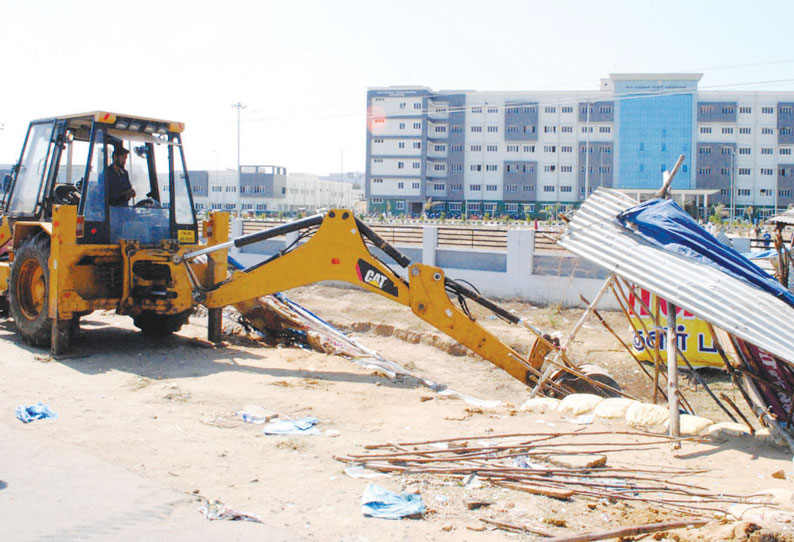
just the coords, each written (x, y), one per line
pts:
(559, 465)
(256, 414)
(216, 510)
(39, 411)
(303, 426)
(378, 502)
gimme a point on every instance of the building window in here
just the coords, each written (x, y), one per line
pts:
(605, 109)
(566, 148)
(493, 109)
(456, 129)
(549, 129)
(528, 188)
(491, 167)
(767, 171)
(785, 151)
(456, 148)
(745, 150)
(767, 110)
(440, 167)
(456, 187)
(512, 129)
(475, 148)
(492, 148)
(399, 205)
(493, 129)
(476, 109)
(455, 206)
(511, 207)
(549, 148)
(605, 149)
(400, 165)
(401, 145)
(742, 191)
(402, 126)
(441, 129)
(415, 186)
(490, 188)
(475, 187)
(377, 180)
(784, 110)
(549, 168)
(704, 150)
(511, 188)
(548, 188)
(767, 131)
(418, 126)
(400, 185)
(767, 150)
(728, 109)
(376, 160)
(785, 131)
(784, 193)
(476, 129)
(706, 109)
(705, 129)
(528, 168)
(417, 105)
(529, 148)
(566, 188)
(742, 170)
(701, 171)
(725, 171)
(766, 192)
(566, 109)
(440, 148)
(475, 167)
(566, 129)
(604, 129)
(566, 169)
(377, 140)
(417, 145)
(456, 167)
(586, 129)
(727, 130)
(604, 169)
(745, 110)
(744, 130)
(550, 109)
(416, 165)
(512, 148)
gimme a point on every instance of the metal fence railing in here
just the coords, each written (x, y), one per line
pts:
(493, 238)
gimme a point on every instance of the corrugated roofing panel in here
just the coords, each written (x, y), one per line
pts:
(714, 296)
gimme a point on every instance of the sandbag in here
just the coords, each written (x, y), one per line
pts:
(579, 403)
(614, 407)
(646, 415)
(539, 405)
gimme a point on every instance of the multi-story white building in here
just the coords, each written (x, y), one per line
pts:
(267, 189)
(519, 153)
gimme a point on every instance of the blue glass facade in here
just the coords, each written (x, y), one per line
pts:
(655, 126)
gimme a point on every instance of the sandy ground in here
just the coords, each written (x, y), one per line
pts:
(147, 431)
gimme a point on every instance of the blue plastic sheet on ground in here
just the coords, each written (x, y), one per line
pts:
(39, 411)
(303, 426)
(665, 224)
(378, 502)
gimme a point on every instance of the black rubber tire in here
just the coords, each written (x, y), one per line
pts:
(160, 325)
(28, 290)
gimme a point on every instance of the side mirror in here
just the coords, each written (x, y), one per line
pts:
(6, 181)
(141, 151)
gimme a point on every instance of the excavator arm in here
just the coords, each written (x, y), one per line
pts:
(336, 251)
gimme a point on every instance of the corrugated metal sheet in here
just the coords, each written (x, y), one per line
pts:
(714, 296)
(786, 218)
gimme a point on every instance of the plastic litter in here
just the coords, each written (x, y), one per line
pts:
(358, 471)
(39, 411)
(255, 414)
(303, 426)
(215, 510)
(378, 502)
(584, 419)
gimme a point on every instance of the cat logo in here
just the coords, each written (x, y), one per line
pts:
(370, 275)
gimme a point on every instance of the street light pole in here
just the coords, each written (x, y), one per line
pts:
(239, 107)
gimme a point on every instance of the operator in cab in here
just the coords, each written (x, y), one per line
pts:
(120, 190)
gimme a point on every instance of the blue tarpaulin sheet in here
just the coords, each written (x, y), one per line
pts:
(39, 411)
(378, 502)
(663, 223)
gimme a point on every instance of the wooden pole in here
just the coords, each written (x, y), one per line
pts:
(630, 531)
(672, 373)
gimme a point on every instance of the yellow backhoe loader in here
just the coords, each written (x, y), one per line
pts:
(69, 247)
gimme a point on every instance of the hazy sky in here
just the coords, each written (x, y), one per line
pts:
(303, 67)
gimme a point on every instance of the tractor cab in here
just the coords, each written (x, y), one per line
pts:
(66, 161)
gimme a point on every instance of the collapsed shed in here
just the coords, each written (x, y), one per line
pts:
(658, 247)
